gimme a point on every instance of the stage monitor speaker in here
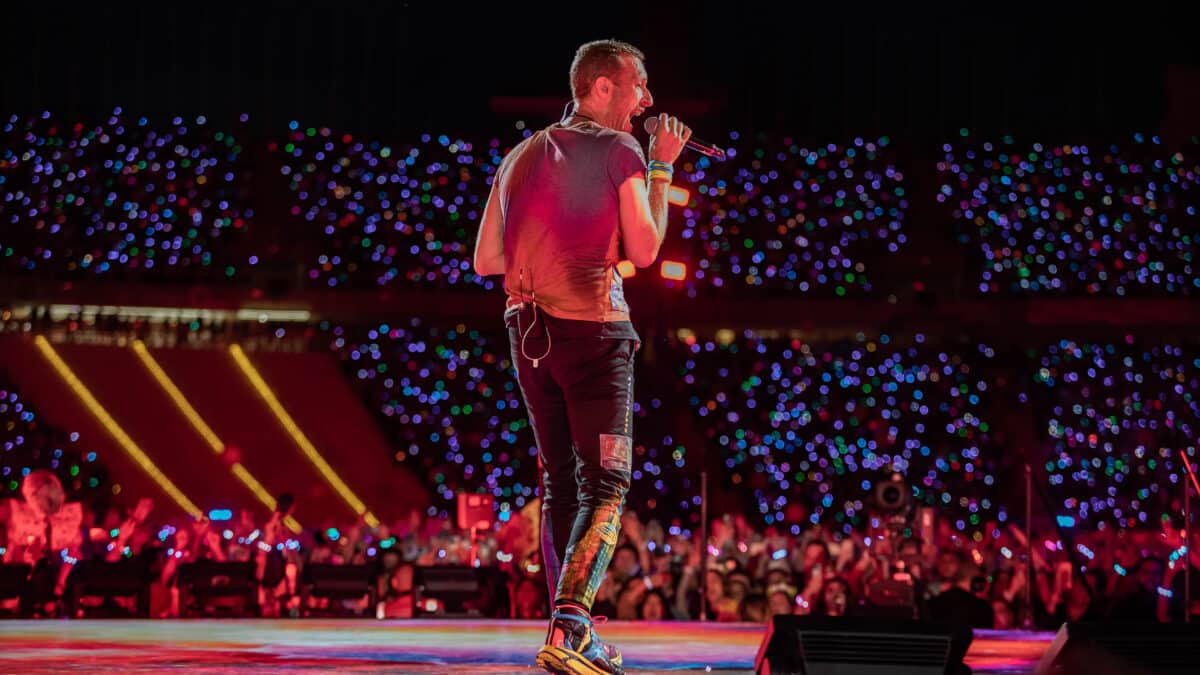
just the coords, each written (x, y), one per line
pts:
(326, 580)
(203, 580)
(338, 582)
(1143, 648)
(448, 589)
(13, 578)
(821, 645)
(218, 578)
(347, 581)
(127, 577)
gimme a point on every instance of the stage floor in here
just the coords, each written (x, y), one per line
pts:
(202, 646)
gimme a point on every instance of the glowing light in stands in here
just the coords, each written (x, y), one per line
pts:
(805, 219)
(1122, 415)
(1076, 219)
(118, 194)
(220, 514)
(28, 442)
(775, 409)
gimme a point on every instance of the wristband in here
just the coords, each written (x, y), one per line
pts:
(659, 174)
(657, 165)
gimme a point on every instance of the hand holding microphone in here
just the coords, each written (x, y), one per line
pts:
(654, 124)
(668, 136)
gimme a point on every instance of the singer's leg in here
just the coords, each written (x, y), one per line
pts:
(547, 410)
(599, 395)
(597, 379)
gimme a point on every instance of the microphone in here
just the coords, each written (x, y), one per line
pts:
(693, 143)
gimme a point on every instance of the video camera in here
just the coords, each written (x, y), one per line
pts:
(894, 594)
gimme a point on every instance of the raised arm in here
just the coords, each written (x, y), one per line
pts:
(643, 198)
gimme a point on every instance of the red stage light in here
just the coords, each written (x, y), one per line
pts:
(673, 270)
(678, 196)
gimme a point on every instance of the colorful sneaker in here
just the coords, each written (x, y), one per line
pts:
(573, 648)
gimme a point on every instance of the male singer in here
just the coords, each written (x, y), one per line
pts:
(565, 202)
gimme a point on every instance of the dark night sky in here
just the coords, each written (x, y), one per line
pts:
(393, 67)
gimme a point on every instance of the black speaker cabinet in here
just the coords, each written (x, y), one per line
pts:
(816, 645)
(455, 587)
(13, 578)
(204, 580)
(1114, 647)
(127, 577)
(338, 582)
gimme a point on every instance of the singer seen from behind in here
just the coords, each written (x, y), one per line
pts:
(567, 204)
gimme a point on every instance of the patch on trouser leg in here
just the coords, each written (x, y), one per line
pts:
(587, 560)
(616, 452)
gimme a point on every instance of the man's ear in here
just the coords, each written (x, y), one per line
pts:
(603, 86)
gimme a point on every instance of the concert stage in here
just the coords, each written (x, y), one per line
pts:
(410, 646)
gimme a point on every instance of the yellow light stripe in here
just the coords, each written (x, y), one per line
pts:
(289, 425)
(89, 401)
(177, 396)
(164, 380)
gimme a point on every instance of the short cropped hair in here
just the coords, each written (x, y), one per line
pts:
(599, 58)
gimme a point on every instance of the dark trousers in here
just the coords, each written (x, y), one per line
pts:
(579, 398)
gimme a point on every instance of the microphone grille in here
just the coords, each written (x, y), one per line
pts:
(650, 124)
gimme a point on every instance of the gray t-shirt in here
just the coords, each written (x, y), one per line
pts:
(558, 193)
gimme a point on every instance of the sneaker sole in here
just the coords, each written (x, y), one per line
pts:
(565, 662)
